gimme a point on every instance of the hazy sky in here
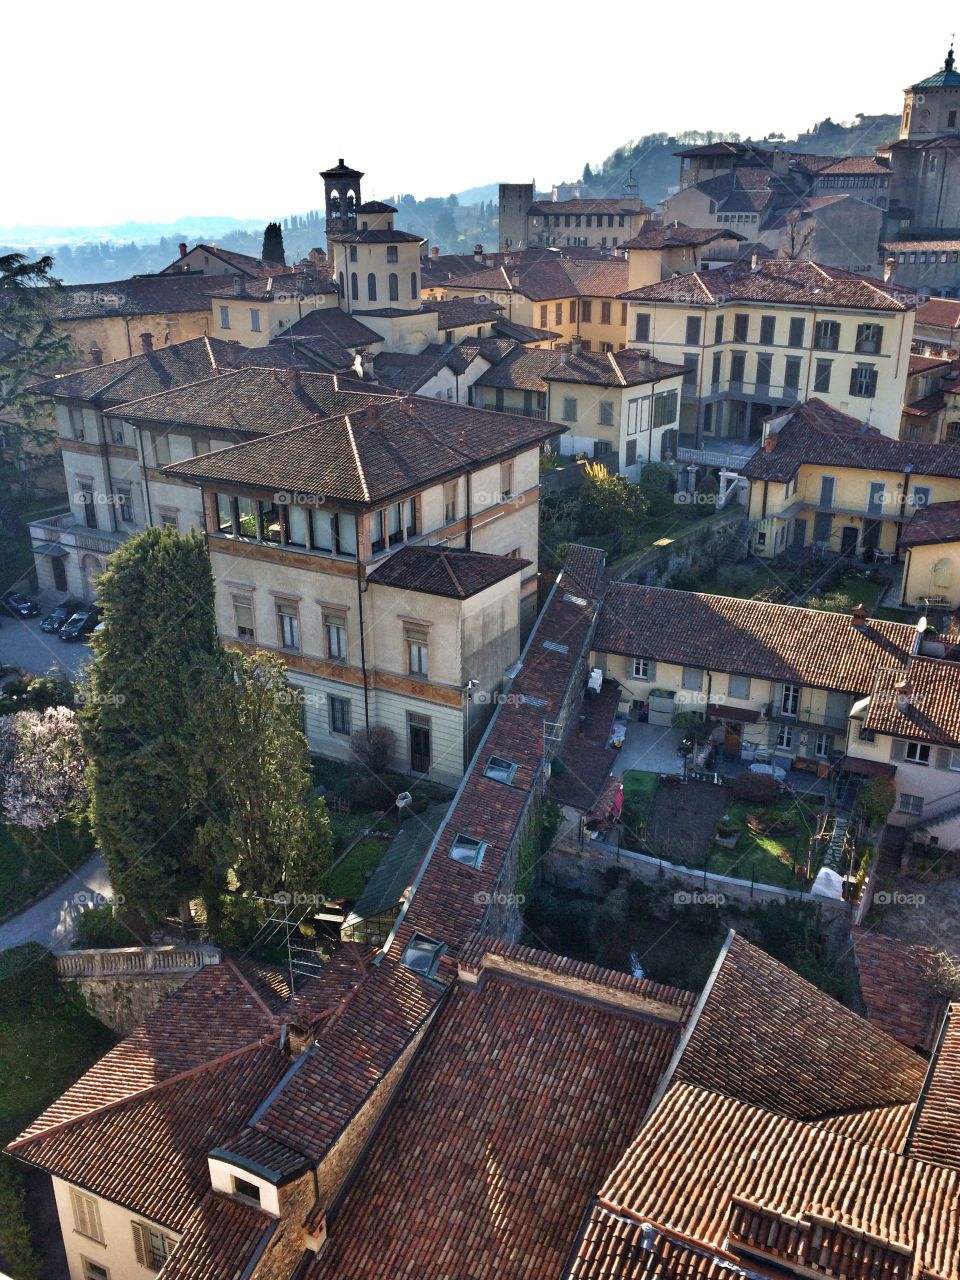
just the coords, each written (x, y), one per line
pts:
(153, 112)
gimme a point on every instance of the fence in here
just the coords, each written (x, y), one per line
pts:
(135, 961)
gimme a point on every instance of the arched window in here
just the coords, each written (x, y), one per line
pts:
(372, 286)
(351, 203)
(354, 286)
(335, 203)
(343, 291)
(394, 287)
(414, 285)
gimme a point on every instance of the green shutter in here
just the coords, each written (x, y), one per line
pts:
(944, 756)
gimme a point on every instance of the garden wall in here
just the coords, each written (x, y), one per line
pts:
(699, 549)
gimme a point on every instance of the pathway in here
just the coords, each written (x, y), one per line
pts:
(52, 920)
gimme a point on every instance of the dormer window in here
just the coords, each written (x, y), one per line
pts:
(500, 770)
(247, 1190)
(422, 955)
(468, 850)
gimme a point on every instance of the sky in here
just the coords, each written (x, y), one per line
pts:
(156, 112)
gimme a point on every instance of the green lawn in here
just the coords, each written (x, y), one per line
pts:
(638, 788)
(32, 864)
(349, 877)
(769, 859)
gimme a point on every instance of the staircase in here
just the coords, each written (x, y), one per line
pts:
(835, 856)
(935, 817)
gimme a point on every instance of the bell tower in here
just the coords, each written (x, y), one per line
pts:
(341, 188)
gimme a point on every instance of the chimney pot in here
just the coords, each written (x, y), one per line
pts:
(889, 266)
(96, 355)
(858, 617)
(770, 443)
(146, 340)
(576, 344)
(754, 261)
(183, 249)
(435, 251)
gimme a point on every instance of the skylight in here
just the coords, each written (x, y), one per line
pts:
(499, 769)
(555, 647)
(467, 850)
(422, 955)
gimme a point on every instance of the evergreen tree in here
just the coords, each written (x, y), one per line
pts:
(272, 250)
(143, 725)
(587, 175)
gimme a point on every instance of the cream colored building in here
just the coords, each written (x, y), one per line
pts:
(930, 547)
(397, 583)
(525, 221)
(254, 312)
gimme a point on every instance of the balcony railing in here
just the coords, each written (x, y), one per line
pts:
(731, 459)
(518, 413)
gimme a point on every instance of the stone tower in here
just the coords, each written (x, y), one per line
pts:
(341, 188)
(515, 199)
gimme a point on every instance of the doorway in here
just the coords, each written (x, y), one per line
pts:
(59, 573)
(419, 732)
(848, 540)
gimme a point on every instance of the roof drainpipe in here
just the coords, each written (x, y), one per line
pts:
(361, 587)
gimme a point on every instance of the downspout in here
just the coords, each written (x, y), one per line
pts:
(143, 472)
(468, 532)
(363, 650)
(106, 466)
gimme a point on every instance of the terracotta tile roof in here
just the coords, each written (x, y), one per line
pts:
(777, 280)
(769, 1038)
(150, 1153)
(212, 1014)
(748, 637)
(922, 246)
(523, 332)
(672, 235)
(391, 448)
(520, 369)
(444, 571)
(935, 1135)
(403, 371)
(938, 313)
(542, 279)
(876, 1126)
(220, 1238)
(940, 522)
(932, 713)
(336, 326)
(895, 984)
(924, 364)
(717, 1181)
(376, 236)
(814, 434)
(455, 313)
(243, 262)
(514, 1108)
(253, 401)
(858, 165)
(139, 296)
(627, 368)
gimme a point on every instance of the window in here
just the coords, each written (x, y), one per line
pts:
(692, 337)
(415, 639)
(692, 678)
(94, 1271)
(125, 506)
(717, 368)
(161, 449)
(270, 522)
(224, 317)
(506, 481)
(643, 327)
(791, 373)
(917, 753)
(450, 501)
(691, 367)
(569, 409)
(467, 850)
(789, 699)
(152, 1247)
(296, 526)
(920, 496)
(335, 635)
(665, 408)
(500, 770)
(826, 335)
(243, 617)
(951, 119)
(605, 413)
(863, 381)
(168, 518)
(423, 955)
(826, 491)
(339, 712)
(354, 286)
(75, 415)
(718, 329)
(738, 686)
(353, 253)
(573, 311)
(630, 455)
(391, 253)
(249, 1190)
(952, 434)
(605, 312)
(371, 286)
(823, 745)
(764, 369)
(644, 669)
(246, 517)
(586, 311)
(821, 376)
(543, 316)
(876, 497)
(869, 338)
(797, 326)
(864, 734)
(738, 366)
(911, 804)
(768, 329)
(558, 312)
(414, 285)
(394, 287)
(288, 626)
(785, 736)
(741, 327)
(254, 319)
(86, 1216)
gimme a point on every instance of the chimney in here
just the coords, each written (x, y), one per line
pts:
(889, 266)
(435, 251)
(183, 249)
(755, 261)
(770, 443)
(238, 285)
(576, 344)
(478, 253)
(366, 364)
(515, 279)
(146, 340)
(902, 690)
(858, 617)
(564, 350)
(296, 382)
(298, 1038)
(96, 355)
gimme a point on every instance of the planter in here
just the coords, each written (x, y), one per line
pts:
(727, 839)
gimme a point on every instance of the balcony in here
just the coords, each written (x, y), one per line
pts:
(726, 453)
(78, 534)
(518, 413)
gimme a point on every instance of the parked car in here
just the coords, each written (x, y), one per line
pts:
(61, 614)
(81, 624)
(19, 605)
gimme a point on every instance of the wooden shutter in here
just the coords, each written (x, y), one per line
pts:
(898, 749)
(944, 756)
(86, 1216)
(140, 1243)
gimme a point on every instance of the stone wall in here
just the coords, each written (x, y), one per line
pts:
(698, 549)
(122, 1002)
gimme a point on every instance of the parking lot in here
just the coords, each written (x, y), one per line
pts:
(23, 644)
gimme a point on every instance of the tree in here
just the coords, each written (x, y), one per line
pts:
(150, 680)
(875, 799)
(796, 239)
(42, 767)
(264, 823)
(273, 244)
(30, 346)
(656, 482)
(587, 175)
(611, 503)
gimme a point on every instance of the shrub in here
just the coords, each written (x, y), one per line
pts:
(656, 482)
(28, 979)
(16, 1245)
(875, 800)
(374, 747)
(100, 927)
(756, 788)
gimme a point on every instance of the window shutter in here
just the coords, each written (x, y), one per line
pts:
(854, 382)
(898, 749)
(651, 669)
(139, 1243)
(944, 756)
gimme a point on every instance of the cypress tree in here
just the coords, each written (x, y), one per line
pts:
(273, 244)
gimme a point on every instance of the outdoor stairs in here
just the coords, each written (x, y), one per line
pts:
(928, 820)
(834, 856)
